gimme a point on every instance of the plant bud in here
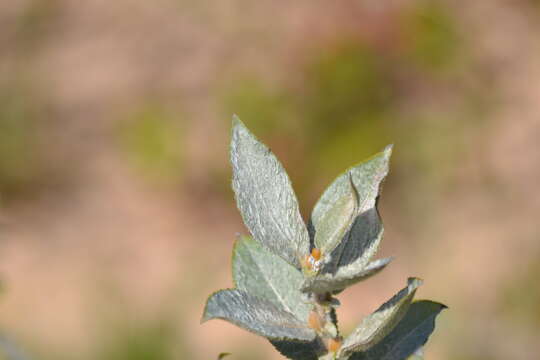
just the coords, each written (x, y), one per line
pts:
(315, 322)
(304, 262)
(316, 254)
(334, 344)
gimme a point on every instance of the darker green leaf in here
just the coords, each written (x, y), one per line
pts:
(378, 324)
(411, 333)
(298, 350)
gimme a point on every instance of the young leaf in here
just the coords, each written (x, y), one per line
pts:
(366, 179)
(344, 277)
(377, 325)
(265, 197)
(335, 222)
(409, 335)
(261, 273)
(257, 315)
(359, 244)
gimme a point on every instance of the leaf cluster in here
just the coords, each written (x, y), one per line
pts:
(287, 273)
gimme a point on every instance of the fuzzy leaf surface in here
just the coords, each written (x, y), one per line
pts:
(336, 221)
(297, 350)
(410, 334)
(265, 197)
(359, 244)
(259, 272)
(344, 277)
(378, 324)
(366, 178)
(257, 315)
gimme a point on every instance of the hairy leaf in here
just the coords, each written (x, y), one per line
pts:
(261, 273)
(366, 178)
(257, 315)
(377, 325)
(345, 277)
(297, 350)
(359, 244)
(335, 222)
(409, 335)
(265, 197)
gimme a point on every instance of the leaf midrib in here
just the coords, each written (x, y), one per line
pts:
(269, 282)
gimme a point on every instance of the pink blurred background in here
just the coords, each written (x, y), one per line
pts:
(117, 218)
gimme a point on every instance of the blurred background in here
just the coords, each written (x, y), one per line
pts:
(116, 214)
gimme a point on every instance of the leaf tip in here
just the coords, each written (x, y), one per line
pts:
(210, 308)
(236, 120)
(237, 128)
(441, 306)
(414, 282)
(205, 316)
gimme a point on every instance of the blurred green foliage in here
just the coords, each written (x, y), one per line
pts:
(520, 300)
(349, 96)
(34, 24)
(22, 163)
(138, 340)
(350, 82)
(253, 99)
(152, 138)
(430, 35)
(354, 98)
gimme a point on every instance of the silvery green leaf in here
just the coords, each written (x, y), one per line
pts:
(343, 278)
(359, 244)
(378, 324)
(297, 350)
(261, 273)
(409, 335)
(265, 197)
(336, 221)
(257, 315)
(366, 178)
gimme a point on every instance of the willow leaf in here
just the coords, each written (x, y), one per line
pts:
(409, 335)
(257, 315)
(261, 273)
(298, 350)
(378, 324)
(344, 277)
(265, 197)
(359, 245)
(366, 178)
(335, 222)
